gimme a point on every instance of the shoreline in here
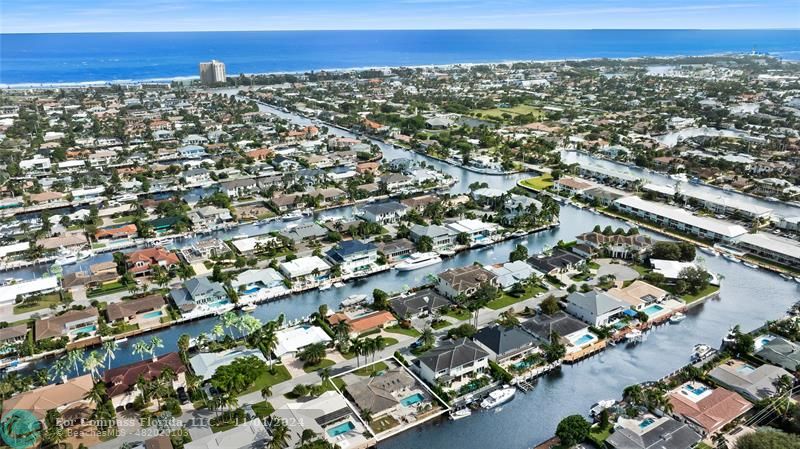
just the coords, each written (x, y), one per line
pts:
(170, 79)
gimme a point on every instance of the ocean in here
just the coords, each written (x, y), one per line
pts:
(104, 57)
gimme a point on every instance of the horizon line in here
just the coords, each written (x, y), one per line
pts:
(393, 29)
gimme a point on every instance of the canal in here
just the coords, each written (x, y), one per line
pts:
(748, 297)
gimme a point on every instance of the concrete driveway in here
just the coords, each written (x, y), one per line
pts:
(619, 271)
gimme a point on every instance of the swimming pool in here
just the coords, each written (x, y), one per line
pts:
(745, 369)
(153, 314)
(654, 309)
(344, 427)
(694, 392)
(251, 290)
(584, 339)
(646, 422)
(85, 329)
(415, 398)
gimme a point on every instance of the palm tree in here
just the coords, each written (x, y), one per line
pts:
(341, 333)
(97, 394)
(155, 343)
(325, 375)
(313, 353)
(427, 337)
(366, 415)
(74, 357)
(110, 346)
(59, 369)
(633, 394)
(267, 341)
(228, 320)
(55, 435)
(141, 348)
(92, 362)
(217, 331)
(266, 392)
(378, 343)
(356, 346)
(280, 434)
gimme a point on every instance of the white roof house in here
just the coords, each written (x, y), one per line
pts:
(252, 434)
(671, 269)
(472, 227)
(303, 266)
(8, 293)
(205, 364)
(294, 339)
(510, 273)
(249, 244)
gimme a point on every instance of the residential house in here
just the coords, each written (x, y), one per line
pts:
(444, 239)
(205, 364)
(505, 343)
(199, 292)
(294, 339)
(755, 384)
(305, 270)
(12, 336)
(420, 303)
(68, 398)
(511, 273)
(616, 246)
(781, 352)
(259, 284)
(464, 280)
(117, 233)
(70, 324)
(479, 232)
(384, 213)
(396, 250)
(150, 307)
(239, 187)
(638, 294)
(121, 382)
(362, 323)
(304, 231)
(452, 361)
(595, 307)
(142, 262)
(705, 408)
(560, 261)
(353, 256)
(543, 326)
(652, 433)
(381, 394)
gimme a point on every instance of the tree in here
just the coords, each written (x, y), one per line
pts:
(550, 305)
(110, 347)
(572, 430)
(696, 279)
(520, 252)
(380, 298)
(463, 238)
(313, 353)
(279, 431)
(768, 439)
(462, 331)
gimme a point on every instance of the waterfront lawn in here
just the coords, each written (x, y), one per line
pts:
(598, 435)
(506, 300)
(369, 370)
(324, 363)
(704, 292)
(41, 302)
(459, 314)
(411, 332)
(542, 182)
(384, 423)
(267, 380)
(263, 409)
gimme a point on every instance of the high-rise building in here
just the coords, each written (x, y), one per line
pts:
(212, 72)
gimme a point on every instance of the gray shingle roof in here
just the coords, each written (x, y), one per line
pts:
(452, 355)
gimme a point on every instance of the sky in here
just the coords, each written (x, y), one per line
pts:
(50, 16)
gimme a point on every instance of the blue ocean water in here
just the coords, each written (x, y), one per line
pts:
(85, 57)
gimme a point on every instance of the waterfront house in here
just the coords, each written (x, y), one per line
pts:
(595, 307)
(199, 293)
(777, 249)
(353, 256)
(205, 364)
(442, 238)
(239, 187)
(782, 352)
(325, 415)
(396, 250)
(304, 231)
(70, 240)
(572, 186)
(70, 324)
(363, 322)
(117, 233)
(464, 280)
(259, 284)
(505, 343)
(381, 394)
(478, 231)
(293, 340)
(753, 383)
(12, 336)
(191, 152)
(705, 408)
(384, 213)
(209, 216)
(9, 293)
(652, 433)
(142, 262)
(452, 361)
(68, 398)
(510, 273)
(121, 382)
(560, 261)
(543, 326)
(196, 176)
(421, 302)
(204, 249)
(144, 309)
(305, 270)
(616, 246)
(638, 294)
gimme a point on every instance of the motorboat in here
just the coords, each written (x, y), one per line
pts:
(598, 407)
(249, 308)
(677, 318)
(418, 260)
(498, 397)
(797, 279)
(447, 252)
(16, 365)
(731, 257)
(750, 265)
(324, 287)
(786, 277)
(353, 300)
(709, 251)
(338, 284)
(459, 413)
(701, 352)
(634, 335)
(68, 257)
(292, 216)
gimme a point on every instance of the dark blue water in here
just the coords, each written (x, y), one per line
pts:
(83, 57)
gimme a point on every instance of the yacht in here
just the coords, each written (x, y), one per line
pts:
(677, 318)
(709, 251)
(292, 216)
(68, 257)
(701, 351)
(338, 284)
(786, 277)
(459, 413)
(249, 308)
(598, 407)
(634, 335)
(750, 265)
(447, 252)
(324, 287)
(731, 257)
(498, 397)
(418, 260)
(353, 300)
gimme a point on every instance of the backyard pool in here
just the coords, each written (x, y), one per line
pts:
(652, 310)
(250, 290)
(153, 314)
(646, 422)
(344, 427)
(695, 392)
(584, 339)
(415, 398)
(745, 369)
(85, 329)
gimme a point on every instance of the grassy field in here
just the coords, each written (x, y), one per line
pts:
(263, 409)
(507, 300)
(411, 332)
(497, 113)
(324, 363)
(42, 302)
(706, 291)
(267, 380)
(460, 314)
(371, 369)
(542, 182)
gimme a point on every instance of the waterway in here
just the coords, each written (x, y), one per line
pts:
(748, 297)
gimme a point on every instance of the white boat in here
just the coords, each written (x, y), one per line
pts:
(786, 277)
(164, 241)
(418, 260)
(122, 340)
(701, 351)
(459, 413)
(324, 287)
(11, 281)
(750, 265)
(338, 284)
(677, 318)
(292, 216)
(731, 257)
(709, 251)
(447, 252)
(498, 397)
(634, 335)
(598, 407)
(249, 308)
(67, 257)
(353, 300)
(797, 279)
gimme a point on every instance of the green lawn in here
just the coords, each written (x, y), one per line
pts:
(497, 113)
(371, 369)
(111, 287)
(267, 380)
(598, 435)
(329, 386)
(542, 182)
(459, 314)
(388, 341)
(263, 409)
(42, 302)
(441, 324)
(641, 269)
(124, 219)
(507, 300)
(706, 291)
(324, 363)
(384, 423)
(411, 332)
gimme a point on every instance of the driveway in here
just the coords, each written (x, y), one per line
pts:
(619, 271)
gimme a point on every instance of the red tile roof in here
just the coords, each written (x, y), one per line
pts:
(120, 380)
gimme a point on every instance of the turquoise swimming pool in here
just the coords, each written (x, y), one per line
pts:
(585, 338)
(415, 398)
(646, 422)
(344, 427)
(153, 314)
(85, 329)
(654, 309)
(251, 290)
